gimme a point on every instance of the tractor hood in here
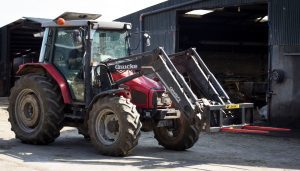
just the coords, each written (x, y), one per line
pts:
(142, 81)
(142, 89)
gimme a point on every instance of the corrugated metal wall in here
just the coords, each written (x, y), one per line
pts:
(3, 70)
(285, 103)
(1, 81)
(221, 3)
(0, 46)
(163, 33)
(284, 21)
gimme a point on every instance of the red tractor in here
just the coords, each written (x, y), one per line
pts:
(83, 79)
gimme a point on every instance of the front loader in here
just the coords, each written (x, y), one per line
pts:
(83, 79)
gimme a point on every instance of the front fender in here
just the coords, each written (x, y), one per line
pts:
(49, 69)
(102, 94)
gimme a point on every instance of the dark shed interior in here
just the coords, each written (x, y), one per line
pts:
(20, 43)
(233, 41)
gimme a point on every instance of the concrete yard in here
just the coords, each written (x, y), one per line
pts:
(217, 151)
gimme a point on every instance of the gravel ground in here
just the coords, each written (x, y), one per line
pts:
(215, 151)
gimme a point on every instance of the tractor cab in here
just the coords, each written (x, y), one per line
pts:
(72, 41)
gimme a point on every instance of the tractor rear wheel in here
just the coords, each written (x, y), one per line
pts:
(36, 109)
(114, 126)
(181, 136)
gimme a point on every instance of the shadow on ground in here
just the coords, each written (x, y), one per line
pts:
(228, 150)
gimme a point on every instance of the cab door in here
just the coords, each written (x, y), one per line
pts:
(67, 56)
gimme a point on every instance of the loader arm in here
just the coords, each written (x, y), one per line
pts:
(158, 63)
(190, 63)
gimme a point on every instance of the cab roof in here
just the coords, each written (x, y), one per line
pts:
(96, 24)
(74, 19)
(78, 16)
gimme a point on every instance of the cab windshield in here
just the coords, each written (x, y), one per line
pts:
(108, 45)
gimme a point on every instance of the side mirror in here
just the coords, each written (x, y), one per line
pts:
(147, 38)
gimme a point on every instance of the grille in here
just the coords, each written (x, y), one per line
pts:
(138, 97)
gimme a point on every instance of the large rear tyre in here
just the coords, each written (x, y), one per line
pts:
(114, 126)
(181, 136)
(36, 109)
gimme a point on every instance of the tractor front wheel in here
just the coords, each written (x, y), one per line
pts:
(182, 135)
(114, 126)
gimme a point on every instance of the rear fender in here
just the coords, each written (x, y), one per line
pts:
(49, 69)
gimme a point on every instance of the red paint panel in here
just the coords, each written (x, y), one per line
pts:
(235, 130)
(262, 128)
(142, 84)
(51, 70)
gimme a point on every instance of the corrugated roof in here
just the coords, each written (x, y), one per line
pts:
(37, 20)
(30, 19)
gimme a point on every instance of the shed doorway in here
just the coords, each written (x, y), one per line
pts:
(233, 41)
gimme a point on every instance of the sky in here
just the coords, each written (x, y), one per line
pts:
(11, 10)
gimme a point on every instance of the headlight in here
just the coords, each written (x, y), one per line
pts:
(163, 99)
